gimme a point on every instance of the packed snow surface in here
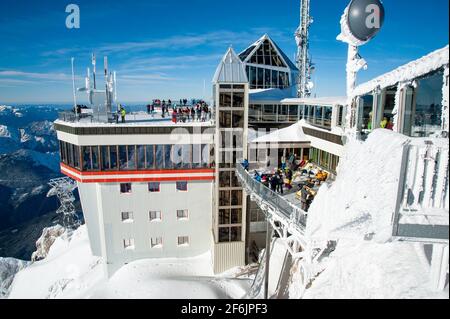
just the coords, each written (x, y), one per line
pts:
(368, 270)
(71, 271)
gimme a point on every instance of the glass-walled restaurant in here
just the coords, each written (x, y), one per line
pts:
(136, 157)
(317, 115)
(265, 78)
(419, 112)
(323, 159)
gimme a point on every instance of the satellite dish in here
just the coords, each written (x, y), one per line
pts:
(310, 85)
(362, 20)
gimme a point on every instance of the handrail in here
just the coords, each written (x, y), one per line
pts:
(285, 207)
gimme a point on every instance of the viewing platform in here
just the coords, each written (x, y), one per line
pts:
(132, 119)
(275, 206)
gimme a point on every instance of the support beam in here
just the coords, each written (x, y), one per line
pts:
(268, 244)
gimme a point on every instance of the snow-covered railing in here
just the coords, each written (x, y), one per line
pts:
(422, 211)
(286, 209)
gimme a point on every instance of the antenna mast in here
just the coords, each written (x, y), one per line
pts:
(93, 64)
(303, 60)
(73, 87)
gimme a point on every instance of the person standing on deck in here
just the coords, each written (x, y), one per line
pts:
(122, 113)
(174, 116)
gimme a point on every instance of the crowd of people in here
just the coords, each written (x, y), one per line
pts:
(196, 110)
(282, 178)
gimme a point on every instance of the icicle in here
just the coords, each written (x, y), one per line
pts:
(445, 91)
(401, 86)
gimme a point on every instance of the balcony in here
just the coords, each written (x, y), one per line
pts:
(273, 203)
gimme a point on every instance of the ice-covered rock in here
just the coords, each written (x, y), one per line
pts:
(9, 267)
(46, 240)
(4, 132)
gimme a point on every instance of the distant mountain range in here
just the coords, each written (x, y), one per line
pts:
(29, 158)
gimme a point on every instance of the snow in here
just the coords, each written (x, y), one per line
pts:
(290, 134)
(373, 271)
(407, 72)
(326, 100)
(355, 211)
(8, 268)
(4, 132)
(362, 200)
(71, 271)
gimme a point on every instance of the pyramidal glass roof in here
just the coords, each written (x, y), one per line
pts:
(266, 52)
(230, 69)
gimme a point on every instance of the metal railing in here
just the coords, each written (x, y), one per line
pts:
(279, 203)
(423, 191)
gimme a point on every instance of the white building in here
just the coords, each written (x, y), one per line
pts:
(146, 187)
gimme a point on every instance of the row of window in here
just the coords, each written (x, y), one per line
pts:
(231, 99)
(156, 242)
(231, 119)
(154, 215)
(154, 187)
(419, 113)
(137, 157)
(314, 114)
(265, 54)
(324, 159)
(264, 78)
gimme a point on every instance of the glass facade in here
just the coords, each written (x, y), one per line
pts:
(136, 157)
(230, 140)
(264, 78)
(324, 159)
(423, 106)
(420, 112)
(317, 115)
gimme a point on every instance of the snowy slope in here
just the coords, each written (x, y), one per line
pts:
(361, 201)
(71, 271)
(8, 268)
(356, 211)
(369, 270)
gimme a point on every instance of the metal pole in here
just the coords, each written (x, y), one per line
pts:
(73, 87)
(266, 270)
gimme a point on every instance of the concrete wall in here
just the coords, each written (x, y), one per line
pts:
(88, 196)
(111, 203)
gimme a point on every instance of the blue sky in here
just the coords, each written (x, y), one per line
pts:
(171, 48)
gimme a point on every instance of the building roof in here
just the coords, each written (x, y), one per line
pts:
(335, 100)
(290, 134)
(407, 72)
(246, 54)
(272, 95)
(230, 69)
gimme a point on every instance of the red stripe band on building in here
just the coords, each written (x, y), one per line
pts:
(138, 176)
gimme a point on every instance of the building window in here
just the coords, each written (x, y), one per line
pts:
(182, 214)
(154, 215)
(154, 187)
(425, 116)
(125, 188)
(156, 242)
(183, 240)
(127, 217)
(182, 186)
(128, 243)
(230, 234)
